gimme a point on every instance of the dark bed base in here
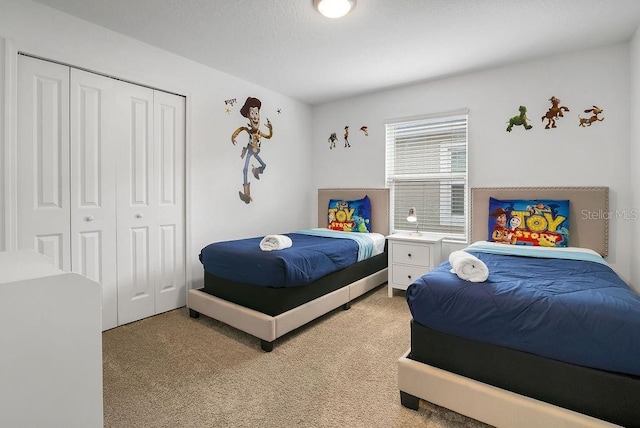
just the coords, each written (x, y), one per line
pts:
(604, 395)
(274, 301)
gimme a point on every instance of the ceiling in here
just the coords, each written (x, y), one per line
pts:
(288, 47)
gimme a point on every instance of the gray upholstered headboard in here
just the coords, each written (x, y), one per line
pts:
(588, 215)
(379, 205)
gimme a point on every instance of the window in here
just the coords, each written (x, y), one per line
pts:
(426, 168)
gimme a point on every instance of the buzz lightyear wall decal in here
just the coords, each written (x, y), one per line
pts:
(554, 112)
(588, 121)
(251, 111)
(332, 140)
(520, 120)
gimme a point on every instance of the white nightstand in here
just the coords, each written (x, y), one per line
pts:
(410, 257)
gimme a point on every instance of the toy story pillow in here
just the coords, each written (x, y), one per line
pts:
(529, 222)
(350, 216)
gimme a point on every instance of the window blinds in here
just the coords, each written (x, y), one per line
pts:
(426, 168)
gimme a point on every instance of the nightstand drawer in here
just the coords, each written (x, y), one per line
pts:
(409, 254)
(405, 275)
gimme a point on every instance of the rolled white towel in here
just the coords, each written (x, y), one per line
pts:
(468, 267)
(275, 242)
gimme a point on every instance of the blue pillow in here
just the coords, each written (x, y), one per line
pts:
(350, 216)
(538, 222)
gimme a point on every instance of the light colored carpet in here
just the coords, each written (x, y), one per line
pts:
(171, 370)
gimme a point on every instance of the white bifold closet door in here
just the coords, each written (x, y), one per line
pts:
(101, 184)
(93, 185)
(151, 275)
(42, 151)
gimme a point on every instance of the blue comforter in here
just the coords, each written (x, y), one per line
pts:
(312, 255)
(567, 309)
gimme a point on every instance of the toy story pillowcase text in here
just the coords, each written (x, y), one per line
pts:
(350, 216)
(529, 222)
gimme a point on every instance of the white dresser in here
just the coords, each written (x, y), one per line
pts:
(410, 257)
(51, 335)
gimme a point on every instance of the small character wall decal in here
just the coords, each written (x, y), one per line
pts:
(332, 140)
(228, 103)
(520, 120)
(554, 112)
(587, 121)
(251, 111)
(333, 137)
(346, 136)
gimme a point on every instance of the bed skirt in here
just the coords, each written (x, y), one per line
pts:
(275, 301)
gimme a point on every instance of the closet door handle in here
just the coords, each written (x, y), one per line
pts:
(88, 218)
(139, 215)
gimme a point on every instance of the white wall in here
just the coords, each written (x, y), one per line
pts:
(634, 158)
(566, 156)
(282, 196)
(3, 52)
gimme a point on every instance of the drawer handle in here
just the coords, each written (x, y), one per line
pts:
(409, 255)
(409, 276)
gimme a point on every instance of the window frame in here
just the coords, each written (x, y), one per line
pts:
(441, 135)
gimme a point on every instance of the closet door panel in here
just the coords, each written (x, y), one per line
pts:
(43, 159)
(136, 241)
(169, 137)
(93, 186)
(139, 148)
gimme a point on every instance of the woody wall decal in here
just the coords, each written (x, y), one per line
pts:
(251, 111)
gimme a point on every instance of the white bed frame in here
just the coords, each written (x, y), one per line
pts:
(486, 403)
(269, 328)
(483, 402)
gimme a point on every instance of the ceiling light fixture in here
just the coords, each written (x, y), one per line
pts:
(334, 8)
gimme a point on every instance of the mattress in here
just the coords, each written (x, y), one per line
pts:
(565, 305)
(314, 253)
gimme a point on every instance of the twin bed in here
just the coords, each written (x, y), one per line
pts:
(270, 293)
(552, 338)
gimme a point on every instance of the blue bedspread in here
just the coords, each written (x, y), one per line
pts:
(312, 255)
(575, 311)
